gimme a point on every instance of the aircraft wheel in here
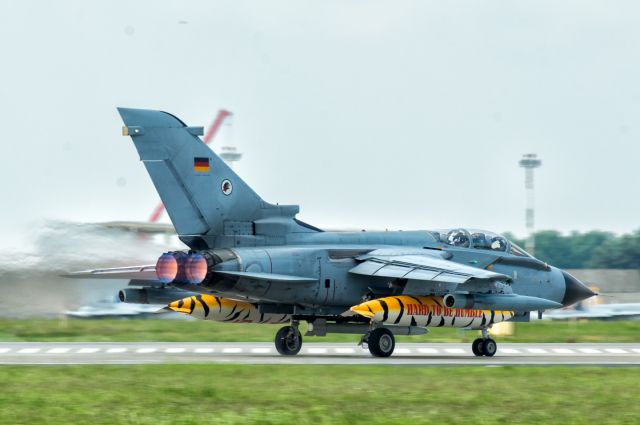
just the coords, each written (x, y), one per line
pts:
(489, 347)
(381, 342)
(288, 341)
(477, 346)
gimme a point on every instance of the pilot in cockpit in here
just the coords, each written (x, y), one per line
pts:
(458, 237)
(479, 240)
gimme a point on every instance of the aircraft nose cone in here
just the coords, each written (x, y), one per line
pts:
(574, 290)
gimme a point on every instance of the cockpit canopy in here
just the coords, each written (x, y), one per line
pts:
(478, 239)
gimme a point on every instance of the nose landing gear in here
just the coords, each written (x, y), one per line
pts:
(289, 340)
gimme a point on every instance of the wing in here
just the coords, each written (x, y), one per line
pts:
(421, 265)
(145, 273)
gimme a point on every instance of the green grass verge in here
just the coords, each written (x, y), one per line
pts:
(196, 331)
(232, 394)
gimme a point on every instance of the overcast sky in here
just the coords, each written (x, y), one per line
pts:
(376, 114)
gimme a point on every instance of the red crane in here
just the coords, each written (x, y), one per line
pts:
(209, 135)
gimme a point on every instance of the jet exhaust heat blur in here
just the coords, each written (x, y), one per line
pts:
(250, 261)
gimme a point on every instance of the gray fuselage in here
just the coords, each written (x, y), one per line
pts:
(327, 257)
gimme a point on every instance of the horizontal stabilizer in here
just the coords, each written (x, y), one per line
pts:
(146, 283)
(132, 272)
(268, 276)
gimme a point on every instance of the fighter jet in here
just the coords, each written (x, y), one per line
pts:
(250, 261)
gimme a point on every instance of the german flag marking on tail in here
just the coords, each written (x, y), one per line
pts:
(201, 165)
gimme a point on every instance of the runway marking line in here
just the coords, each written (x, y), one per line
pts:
(175, 350)
(344, 350)
(261, 350)
(590, 351)
(509, 351)
(4, 350)
(232, 350)
(428, 350)
(636, 350)
(563, 351)
(58, 350)
(615, 351)
(402, 351)
(203, 350)
(87, 350)
(145, 350)
(454, 350)
(537, 350)
(116, 350)
(29, 351)
(317, 350)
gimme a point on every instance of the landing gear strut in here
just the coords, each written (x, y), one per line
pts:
(380, 341)
(484, 346)
(289, 340)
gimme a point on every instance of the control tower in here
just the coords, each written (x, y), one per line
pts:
(529, 162)
(229, 154)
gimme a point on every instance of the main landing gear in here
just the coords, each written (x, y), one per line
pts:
(484, 346)
(380, 342)
(289, 340)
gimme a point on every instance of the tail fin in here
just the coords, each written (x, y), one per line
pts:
(209, 204)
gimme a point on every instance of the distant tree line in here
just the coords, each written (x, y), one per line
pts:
(590, 250)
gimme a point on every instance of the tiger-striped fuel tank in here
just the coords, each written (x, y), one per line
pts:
(209, 307)
(427, 311)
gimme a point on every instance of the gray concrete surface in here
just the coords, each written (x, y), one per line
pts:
(433, 354)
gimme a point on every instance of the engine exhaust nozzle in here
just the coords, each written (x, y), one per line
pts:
(195, 268)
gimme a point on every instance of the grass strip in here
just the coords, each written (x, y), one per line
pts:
(233, 394)
(93, 330)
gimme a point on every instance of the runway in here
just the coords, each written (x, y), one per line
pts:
(435, 354)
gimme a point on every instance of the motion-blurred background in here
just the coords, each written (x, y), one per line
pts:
(366, 114)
